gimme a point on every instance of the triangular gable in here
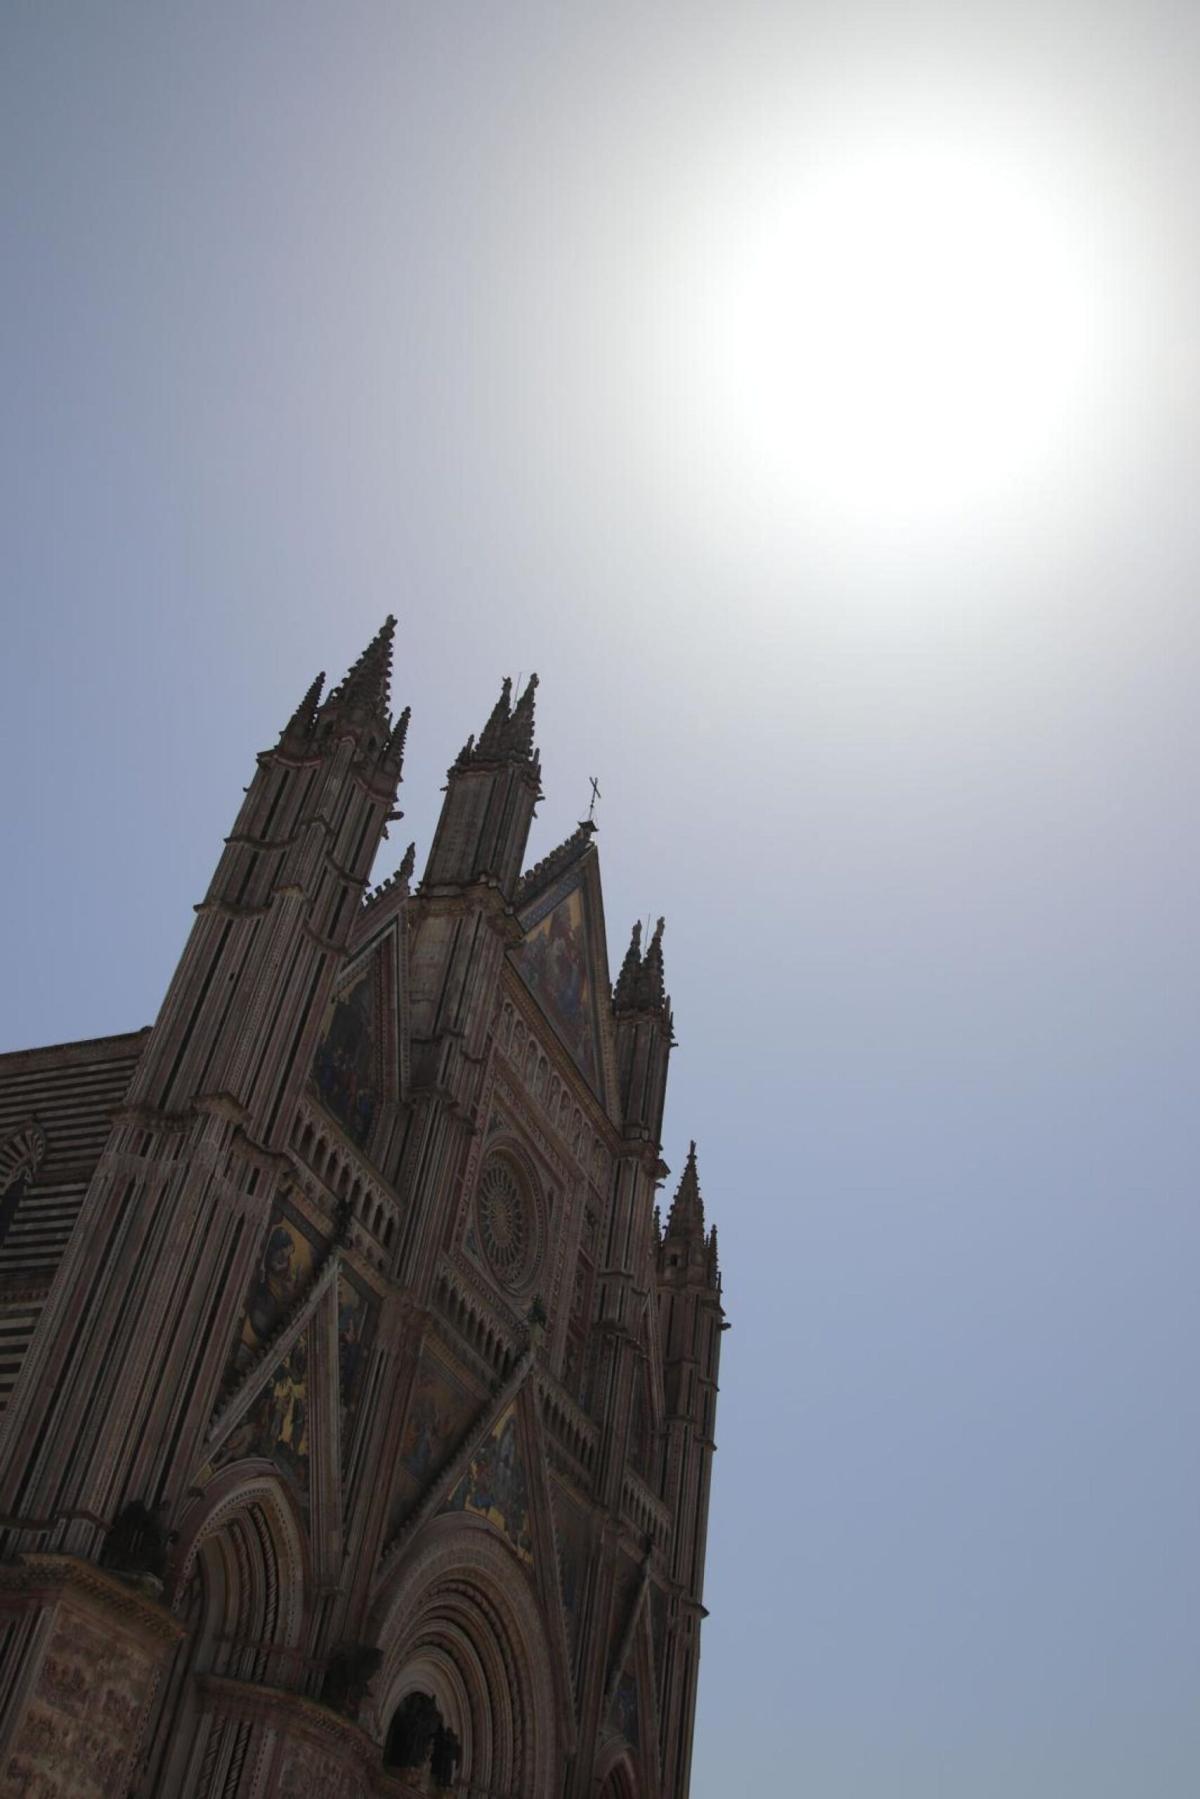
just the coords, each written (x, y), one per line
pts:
(357, 1071)
(273, 1417)
(495, 1485)
(632, 1703)
(295, 1378)
(564, 963)
(503, 1483)
(572, 1533)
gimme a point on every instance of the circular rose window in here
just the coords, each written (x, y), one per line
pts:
(507, 1221)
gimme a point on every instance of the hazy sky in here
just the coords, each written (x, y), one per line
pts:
(809, 394)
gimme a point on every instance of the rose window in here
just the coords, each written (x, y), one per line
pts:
(506, 1222)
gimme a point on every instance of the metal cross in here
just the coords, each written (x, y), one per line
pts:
(595, 795)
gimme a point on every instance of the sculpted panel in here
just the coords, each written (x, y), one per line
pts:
(79, 1729)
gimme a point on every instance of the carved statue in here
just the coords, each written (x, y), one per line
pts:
(444, 1756)
(136, 1542)
(415, 1726)
(348, 1677)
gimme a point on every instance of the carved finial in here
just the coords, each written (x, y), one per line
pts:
(686, 1217)
(399, 734)
(491, 737)
(652, 986)
(518, 736)
(300, 724)
(625, 991)
(368, 684)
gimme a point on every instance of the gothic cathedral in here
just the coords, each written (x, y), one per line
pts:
(357, 1406)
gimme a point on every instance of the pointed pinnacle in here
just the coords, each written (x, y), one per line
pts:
(300, 724)
(395, 743)
(491, 737)
(653, 986)
(368, 682)
(518, 737)
(686, 1216)
(408, 862)
(625, 991)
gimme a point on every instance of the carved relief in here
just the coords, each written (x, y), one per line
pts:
(307, 1770)
(79, 1730)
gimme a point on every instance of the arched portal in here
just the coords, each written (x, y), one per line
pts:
(239, 1587)
(620, 1782)
(466, 1654)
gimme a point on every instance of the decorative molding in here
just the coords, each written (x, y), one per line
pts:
(37, 1573)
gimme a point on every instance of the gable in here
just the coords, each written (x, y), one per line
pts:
(563, 962)
(359, 1064)
(348, 1065)
(496, 1487)
(555, 966)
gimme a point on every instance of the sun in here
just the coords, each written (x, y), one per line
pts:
(895, 334)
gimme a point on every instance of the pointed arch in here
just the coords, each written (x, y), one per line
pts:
(241, 1580)
(616, 1776)
(459, 1622)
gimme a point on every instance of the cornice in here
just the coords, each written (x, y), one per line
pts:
(34, 1571)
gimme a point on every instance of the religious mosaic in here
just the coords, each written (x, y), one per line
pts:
(625, 1709)
(354, 1320)
(495, 1487)
(281, 1278)
(346, 1067)
(437, 1417)
(276, 1426)
(554, 963)
(571, 1533)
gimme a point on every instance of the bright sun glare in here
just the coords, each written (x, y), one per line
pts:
(899, 334)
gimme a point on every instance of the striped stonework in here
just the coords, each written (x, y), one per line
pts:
(56, 1107)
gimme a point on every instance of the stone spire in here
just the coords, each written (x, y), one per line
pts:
(491, 738)
(686, 1217)
(625, 991)
(393, 749)
(491, 790)
(508, 733)
(299, 726)
(518, 735)
(652, 988)
(367, 687)
(641, 986)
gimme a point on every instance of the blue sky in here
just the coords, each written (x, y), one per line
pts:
(313, 314)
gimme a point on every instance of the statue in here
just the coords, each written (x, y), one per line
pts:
(444, 1756)
(348, 1677)
(136, 1543)
(416, 1724)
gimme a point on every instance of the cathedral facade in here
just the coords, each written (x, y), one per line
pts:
(358, 1406)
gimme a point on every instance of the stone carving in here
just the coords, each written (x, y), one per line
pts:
(506, 1221)
(444, 1757)
(348, 1677)
(79, 1729)
(136, 1543)
(420, 1738)
(415, 1725)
